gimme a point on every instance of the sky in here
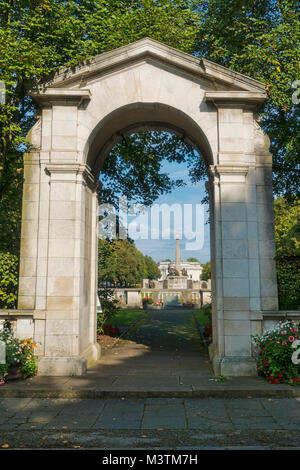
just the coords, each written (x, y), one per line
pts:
(161, 249)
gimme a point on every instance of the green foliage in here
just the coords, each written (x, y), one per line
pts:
(126, 317)
(261, 39)
(8, 280)
(120, 261)
(203, 316)
(287, 236)
(39, 36)
(10, 218)
(110, 308)
(107, 261)
(288, 277)
(133, 168)
(287, 227)
(18, 353)
(153, 272)
(206, 271)
(193, 260)
(275, 351)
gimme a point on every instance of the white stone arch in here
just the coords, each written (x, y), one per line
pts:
(136, 117)
(83, 112)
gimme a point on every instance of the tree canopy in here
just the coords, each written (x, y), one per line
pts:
(259, 38)
(287, 236)
(121, 262)
(206, 271)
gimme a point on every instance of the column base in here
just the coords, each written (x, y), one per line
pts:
(238, 366)
(69, 366)
(92, 354)
(62, 366)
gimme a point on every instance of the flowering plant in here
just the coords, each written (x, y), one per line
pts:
(276, 348)
(19, 353)
(147, 300)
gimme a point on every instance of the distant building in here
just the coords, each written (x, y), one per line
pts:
(180, 283)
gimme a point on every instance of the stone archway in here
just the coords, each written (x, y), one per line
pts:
(83, 113)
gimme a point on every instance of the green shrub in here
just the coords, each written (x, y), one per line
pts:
(288, 275)
(207, 310)
(18, 353)
(8, 280)
(110, 307)
(276, 348)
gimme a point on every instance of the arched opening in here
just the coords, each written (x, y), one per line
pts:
(108, 133)
(142, 116)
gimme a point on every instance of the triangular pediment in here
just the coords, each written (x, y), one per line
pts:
(147, 48)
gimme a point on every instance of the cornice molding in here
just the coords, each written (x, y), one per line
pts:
(149, 48)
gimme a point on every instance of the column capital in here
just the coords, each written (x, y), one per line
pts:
(77, 172)
(229, 173)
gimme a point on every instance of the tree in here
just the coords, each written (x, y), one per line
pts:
(206, 271)
(39, 36)
(120, 261)
(133, 167)
(193, 260)
(287, 227)
(153, 271)
(287, 236)
(261, 38)
(8, 280)
(107, 261)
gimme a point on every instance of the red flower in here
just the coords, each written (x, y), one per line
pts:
(280, 375)
(276, 381)
(295, 379)
(266, 362)
(291, 339)
(271, 378)
(283, 343)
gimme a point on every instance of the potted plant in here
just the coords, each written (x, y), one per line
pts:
(147, 301)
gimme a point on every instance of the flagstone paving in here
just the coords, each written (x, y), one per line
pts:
(150, 422)
(162, 356)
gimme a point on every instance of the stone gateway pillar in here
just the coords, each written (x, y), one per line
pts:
(84, 112)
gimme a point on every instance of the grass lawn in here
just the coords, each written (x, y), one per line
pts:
(125, 317)
(202, 318)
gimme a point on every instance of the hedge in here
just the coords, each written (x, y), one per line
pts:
(8, 280)
(288, 276)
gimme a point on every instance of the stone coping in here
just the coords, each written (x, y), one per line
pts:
(15, 313)
(281, 313)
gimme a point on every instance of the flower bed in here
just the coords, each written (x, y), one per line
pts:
(277, 353)
(19, 356)
(111, 330)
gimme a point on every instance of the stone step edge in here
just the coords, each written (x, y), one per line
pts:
(98, 394)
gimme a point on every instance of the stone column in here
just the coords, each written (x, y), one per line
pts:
(29, 232)
(237, 277)
(70, 279)
(265, 221)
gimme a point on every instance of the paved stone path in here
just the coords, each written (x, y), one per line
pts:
(149, 423)
(164, 358)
